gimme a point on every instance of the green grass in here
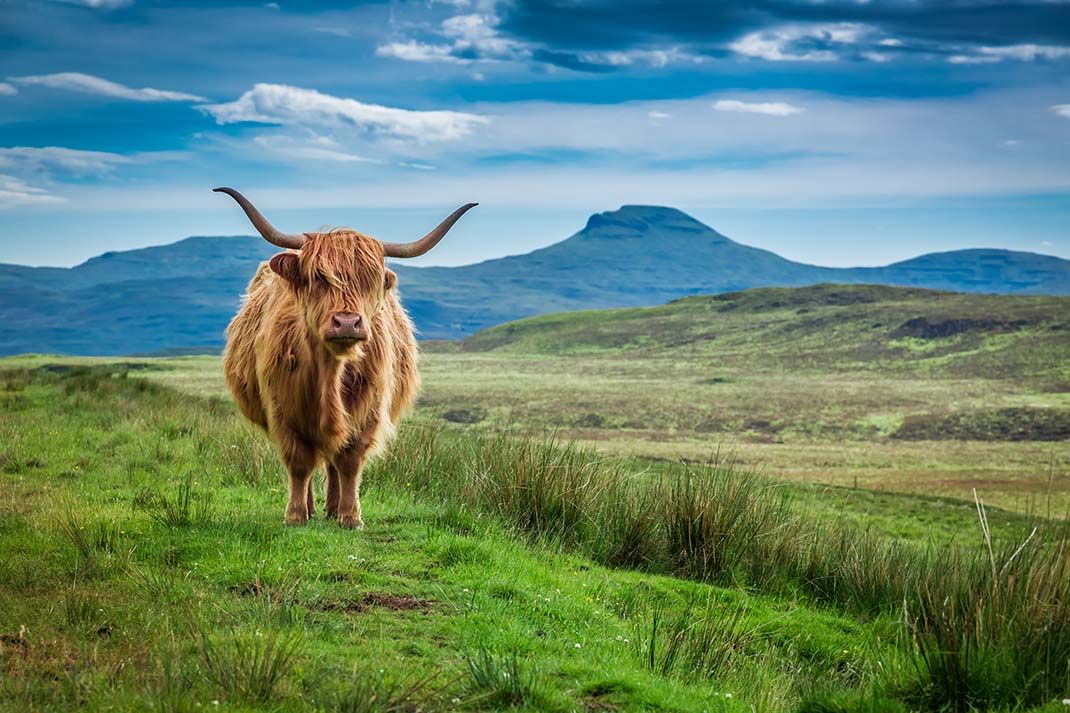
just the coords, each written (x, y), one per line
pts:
(892, 389)
(145, 566)
(111, 599)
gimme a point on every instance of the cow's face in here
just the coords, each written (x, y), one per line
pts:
(341, 283)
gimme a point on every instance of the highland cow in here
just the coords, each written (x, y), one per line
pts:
(322, 356)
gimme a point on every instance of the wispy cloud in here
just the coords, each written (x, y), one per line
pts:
(649, 57)
(413, 51)
(315, 148)
(88, 84)
(98, 4)
(464, 38)
(7, 90)
(15, 193)
(801, 43)
(60, 158)
(1062, 110)
(331, 30)
(284, 105)
(768, 108)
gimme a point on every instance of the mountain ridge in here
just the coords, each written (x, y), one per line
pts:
(183, 294)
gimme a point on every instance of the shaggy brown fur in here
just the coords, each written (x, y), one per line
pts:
(320, 401)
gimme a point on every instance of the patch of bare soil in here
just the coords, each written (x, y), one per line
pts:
(372, 600)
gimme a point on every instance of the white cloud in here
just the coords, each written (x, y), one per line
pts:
(60, 158)
(1027, 53)
(768, 108)
(15, 193)
(653, 58)
(88, 84)
(99, 4)
(658, 115)
(7, 90)
(1062, 110)
(293, 106)
(336, 31)
(272, 6)
(413, 51)
(468, 38)
(316, 148)
(1020, 53)
(418, 166)
(779, 44)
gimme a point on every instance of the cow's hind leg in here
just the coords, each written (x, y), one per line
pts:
(332, 492)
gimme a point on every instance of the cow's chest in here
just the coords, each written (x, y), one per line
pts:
(328, 411)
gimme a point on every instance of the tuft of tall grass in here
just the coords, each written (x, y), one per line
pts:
(379, 693)
(90, 540)
(995, 632)
(697, 642)
(249, 667)
(184, 507)
(500, 681)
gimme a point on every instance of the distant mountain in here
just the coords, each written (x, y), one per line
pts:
(180, 296)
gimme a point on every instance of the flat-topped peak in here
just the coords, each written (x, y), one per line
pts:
(644, 217)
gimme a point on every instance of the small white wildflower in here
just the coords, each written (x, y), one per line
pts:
(625, 641)
(215, 702)
(465, 590)
(728, 695)
(1066, 701)
(578, 646)
(455, 701)
(620, 638)
(353, 557)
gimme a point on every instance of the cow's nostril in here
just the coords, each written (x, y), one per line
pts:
(344, 321)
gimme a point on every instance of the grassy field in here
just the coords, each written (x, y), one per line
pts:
(831, 558)
(879, 388)
(883, 388)
(145, 567)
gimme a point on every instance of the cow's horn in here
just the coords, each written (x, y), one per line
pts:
(266, 229)
(419, 247)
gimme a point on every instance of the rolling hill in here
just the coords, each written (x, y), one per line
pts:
(820, 328)
(179, 297)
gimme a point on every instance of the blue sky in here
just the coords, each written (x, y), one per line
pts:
(840, 132)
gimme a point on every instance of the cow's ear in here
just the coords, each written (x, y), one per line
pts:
(390, 280)
(288, 267)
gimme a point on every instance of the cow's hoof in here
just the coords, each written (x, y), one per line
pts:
(350, 522)
(296, 518)
(330, 515)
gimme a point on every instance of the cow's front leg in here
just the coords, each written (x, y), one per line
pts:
(348, 465)
(300, 462)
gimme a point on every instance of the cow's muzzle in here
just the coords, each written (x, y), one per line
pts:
(346, 329)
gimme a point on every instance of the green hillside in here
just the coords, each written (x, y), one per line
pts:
(819, 328)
